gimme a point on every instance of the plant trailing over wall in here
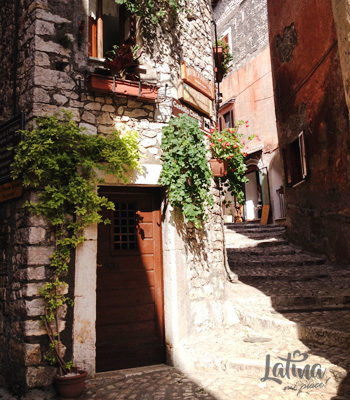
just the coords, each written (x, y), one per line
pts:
(62, 162)
(228, 145)
(151, 11)
(185, 171)
(227, 57)
(122, 60)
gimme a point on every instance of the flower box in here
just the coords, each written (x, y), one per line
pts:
(108, 84)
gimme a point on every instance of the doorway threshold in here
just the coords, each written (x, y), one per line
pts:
(133, 371)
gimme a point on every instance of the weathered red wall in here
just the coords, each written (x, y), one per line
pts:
(309, 96)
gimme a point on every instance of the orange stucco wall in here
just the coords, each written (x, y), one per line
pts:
(252, 87)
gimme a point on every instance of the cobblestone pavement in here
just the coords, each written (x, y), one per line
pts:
(167, 383)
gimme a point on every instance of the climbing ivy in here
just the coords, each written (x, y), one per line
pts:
(62, 162)
(185, 172)
(153, 11)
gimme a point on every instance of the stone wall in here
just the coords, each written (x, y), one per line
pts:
(51, 78)
(246, 23)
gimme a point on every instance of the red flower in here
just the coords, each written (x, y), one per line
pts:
(212, 130)
(209, 136)
(220, 139)
(246, 122)
(247, 126)
(235, 146)
(245, 154)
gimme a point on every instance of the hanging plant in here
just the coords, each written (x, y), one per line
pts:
(227, 57)
(151, 11)
(59, 160)
(228, 145)
(122, 60)
(185, 172)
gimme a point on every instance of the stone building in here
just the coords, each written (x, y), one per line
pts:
(247, 94)
(309, 44)
(50, 51)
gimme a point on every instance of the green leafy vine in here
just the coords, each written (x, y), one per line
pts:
(185, 171)
(62, 162)
(153, 11)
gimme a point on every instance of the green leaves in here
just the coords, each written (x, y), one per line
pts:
(57, 158)
(153, 11)
(185, 171)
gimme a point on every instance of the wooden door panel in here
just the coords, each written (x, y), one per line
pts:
(118, 334)
(126, 279)
(129, 324)
(146, 246)
(146, 229)
(128, 263)
(134, 313)
(126, 297)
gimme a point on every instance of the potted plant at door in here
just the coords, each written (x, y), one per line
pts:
(58, 160)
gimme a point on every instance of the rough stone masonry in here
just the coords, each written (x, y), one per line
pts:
(41, 76)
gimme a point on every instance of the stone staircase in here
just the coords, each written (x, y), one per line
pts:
(286, 300)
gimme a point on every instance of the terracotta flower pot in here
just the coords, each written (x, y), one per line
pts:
(71, 387)
(219, 167)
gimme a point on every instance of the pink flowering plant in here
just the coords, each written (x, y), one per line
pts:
(228, 145)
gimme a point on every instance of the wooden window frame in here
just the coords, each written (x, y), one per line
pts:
(222, 123)
(295, 163)
(95, 44)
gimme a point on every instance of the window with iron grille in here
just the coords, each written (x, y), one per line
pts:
(124, 225)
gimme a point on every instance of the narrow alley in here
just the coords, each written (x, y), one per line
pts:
(288, 302)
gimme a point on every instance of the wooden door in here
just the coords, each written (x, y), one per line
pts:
(129, 324)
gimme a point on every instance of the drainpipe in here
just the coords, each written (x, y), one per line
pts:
(230, 276)
(217, 63)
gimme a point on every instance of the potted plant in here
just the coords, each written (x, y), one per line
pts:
(56, 158)
(121, 64)
(225, 145)
(227, 153)
(223, 59)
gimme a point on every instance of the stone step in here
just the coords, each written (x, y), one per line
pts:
(253, 227)
(292, 274)
(283, 261)
(258, 251)
(241, 294)
(244, 352)
(261, 231)
(321, 327)
(234, 243)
